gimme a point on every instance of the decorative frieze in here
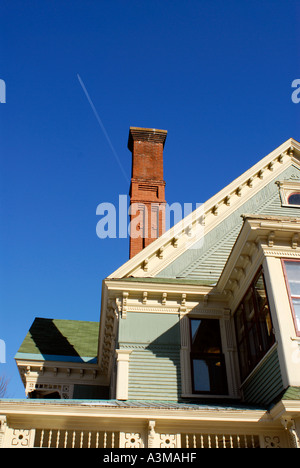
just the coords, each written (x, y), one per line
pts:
(168, 441)
(131, 440)
(20, 438)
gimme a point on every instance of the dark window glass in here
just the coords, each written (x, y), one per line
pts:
(207, 360)
(254, 329)
(294, 199)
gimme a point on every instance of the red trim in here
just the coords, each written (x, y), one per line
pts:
(283, 260)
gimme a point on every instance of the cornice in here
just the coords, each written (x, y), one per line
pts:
(136, 286)
(146, 134)
(35, 409)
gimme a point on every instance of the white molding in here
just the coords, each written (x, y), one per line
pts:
(286, 188)
(122, 357)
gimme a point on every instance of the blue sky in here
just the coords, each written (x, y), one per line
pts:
(217, 75)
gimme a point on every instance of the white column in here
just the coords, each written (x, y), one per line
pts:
(122, 373)
(288, 344)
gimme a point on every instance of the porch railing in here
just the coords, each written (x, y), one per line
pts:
(62, 438)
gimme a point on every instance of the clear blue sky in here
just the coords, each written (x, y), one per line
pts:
(216, 74)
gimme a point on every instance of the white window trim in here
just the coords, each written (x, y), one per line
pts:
(286, 189)
(228, 349)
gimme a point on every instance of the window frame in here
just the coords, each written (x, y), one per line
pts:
(283, 260)
(286, 189)
(245, 342)
(209, 356)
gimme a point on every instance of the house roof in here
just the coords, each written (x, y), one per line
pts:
(292, 393)
(146, 404)
(60, 340)
(182, 240)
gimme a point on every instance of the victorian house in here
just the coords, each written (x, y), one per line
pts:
(198, 343)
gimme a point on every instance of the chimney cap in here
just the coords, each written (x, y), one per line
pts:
(146, 134)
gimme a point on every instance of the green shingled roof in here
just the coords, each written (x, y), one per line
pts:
(61, 340)
(292, 393)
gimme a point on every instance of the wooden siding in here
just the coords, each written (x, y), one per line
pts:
(154, 374)
(154, 363)
(265, 383)
(206, 263)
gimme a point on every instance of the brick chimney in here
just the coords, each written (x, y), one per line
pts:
(147, 190)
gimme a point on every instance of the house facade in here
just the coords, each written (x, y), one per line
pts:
(198, 343)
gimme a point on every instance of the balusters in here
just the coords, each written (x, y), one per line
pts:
(112, 440)
(66, 439)
(42, 438)
(49, 439)
(219, 441)
(57, 438)
(73, 439)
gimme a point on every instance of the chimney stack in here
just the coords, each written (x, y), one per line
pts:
(147, 190)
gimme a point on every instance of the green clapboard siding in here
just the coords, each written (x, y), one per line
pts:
(154, 373)
(154, 364)
(265, 384)
(206, 263)
(150, 328)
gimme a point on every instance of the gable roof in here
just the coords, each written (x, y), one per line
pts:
(177, 253)
(60, 340)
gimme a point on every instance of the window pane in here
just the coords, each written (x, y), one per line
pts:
(207, 362)
(201, 376)
(294, 199)
(249, 309)
(255, 337)
(206, 336)
(296, 303)
(240, 327)
(254, 345)
(194, 327)
(209, 375)
(260, 293)
(266, 329)
(293, 274)
(244, 359)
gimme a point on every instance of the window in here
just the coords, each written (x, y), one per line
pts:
(207, 360)
(294, 199)
(254, 329)
(292, 276)
(289, 193)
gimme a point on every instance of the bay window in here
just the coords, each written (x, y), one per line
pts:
(254, 329)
